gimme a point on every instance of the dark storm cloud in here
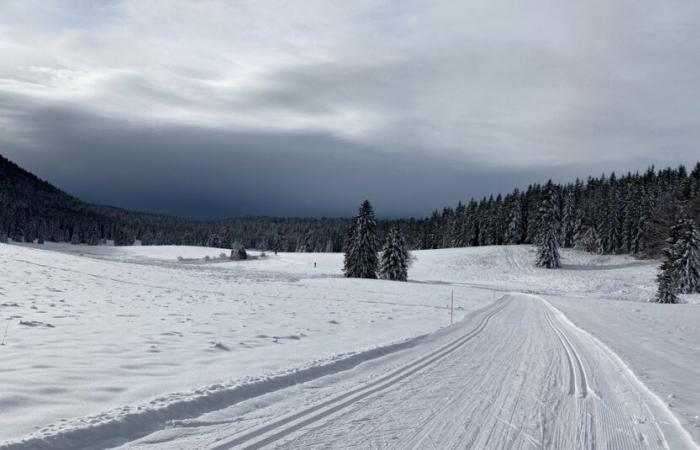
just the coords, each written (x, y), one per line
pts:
(272, 107)
(215, 173)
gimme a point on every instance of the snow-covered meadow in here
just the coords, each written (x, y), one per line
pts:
(99, 336)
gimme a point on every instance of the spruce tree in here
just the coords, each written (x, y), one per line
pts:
(587, 239)
(515, 225)
(456, 237)
(667, 289)
(547, 243)
(579, 230)
(394, 259)
(686, 258)
(568, 219)
(361, 250)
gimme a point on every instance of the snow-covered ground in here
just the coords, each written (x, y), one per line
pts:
(108, 346)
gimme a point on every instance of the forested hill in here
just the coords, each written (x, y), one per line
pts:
(33, 209)
(610, 214)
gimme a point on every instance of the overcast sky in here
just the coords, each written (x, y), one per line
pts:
(213, 109)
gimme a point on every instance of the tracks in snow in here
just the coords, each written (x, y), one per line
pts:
(515, 375)
(276, 430)
(576, 369)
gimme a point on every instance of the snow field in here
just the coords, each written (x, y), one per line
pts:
(128, 345)
(111, 337)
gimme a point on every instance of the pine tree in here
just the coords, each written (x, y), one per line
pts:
(515, 225)
(644, 210)
(547, 244)
(457, 238)
(394, 259)
(568, 220)
(587, 238)
(686, 258)
(667, 277)
(579, 229)
(361, 251)
(666, 292)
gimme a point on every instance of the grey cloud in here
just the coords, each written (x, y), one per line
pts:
(216, 173)
(416, 103)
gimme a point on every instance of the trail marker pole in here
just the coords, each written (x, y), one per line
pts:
(452, 306)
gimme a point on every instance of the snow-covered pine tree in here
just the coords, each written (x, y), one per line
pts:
(600, 240)
(568, 219)
(590, 241)
(350, 251)
(361, 251)
(686, 258)
(500, 218)
(514, 231)
(618, 208)
(606, 232)
(579, 229)
(667, 276)
(645, 208)
(457, 237)
(471, 225)
(547, 243)
(533, 199)
(666, 292)
(447, 226)
(394, 259)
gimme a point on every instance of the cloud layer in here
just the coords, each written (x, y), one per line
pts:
(417, 103)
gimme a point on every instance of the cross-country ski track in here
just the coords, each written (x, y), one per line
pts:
(516, 374)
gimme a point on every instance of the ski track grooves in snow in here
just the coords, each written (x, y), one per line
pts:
(574, 360)
(528, 378)
(126, 428)
(342, 401)
(516, 374)
(673, 435)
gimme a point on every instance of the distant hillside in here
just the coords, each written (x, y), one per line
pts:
(33, 209)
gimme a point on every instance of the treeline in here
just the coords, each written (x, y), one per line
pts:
(631, 214)
(628, 214)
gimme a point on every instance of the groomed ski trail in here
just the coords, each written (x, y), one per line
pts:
(517, 374)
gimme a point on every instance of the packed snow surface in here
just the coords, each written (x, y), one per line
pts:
(160, 347)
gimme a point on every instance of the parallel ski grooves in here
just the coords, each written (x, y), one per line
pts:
(574, 360)
(342, 401)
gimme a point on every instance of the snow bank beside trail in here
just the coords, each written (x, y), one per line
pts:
(124, 424)
(124, 332)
